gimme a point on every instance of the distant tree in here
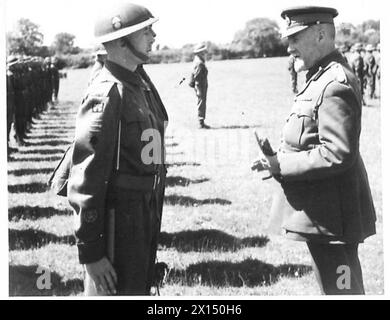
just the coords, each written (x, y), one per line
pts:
(25, 39)
(64, 43)
(259, 38)
(366, 32)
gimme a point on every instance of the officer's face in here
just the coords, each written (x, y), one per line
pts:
(302, 46)
(143, 39)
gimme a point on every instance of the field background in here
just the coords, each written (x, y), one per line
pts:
(214, 230)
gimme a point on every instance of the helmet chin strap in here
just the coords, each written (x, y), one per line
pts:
(125, 42)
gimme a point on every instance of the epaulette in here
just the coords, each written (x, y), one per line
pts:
(101, 89)
(336, 72)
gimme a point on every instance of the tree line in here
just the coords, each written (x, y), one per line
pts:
(260, 37)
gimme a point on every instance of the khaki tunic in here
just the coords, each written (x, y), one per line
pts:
(324, 189)
(110, 173)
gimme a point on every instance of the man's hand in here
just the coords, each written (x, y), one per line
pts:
(269, 163)
(103, 275)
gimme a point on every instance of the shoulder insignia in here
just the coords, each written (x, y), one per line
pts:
(96, 103)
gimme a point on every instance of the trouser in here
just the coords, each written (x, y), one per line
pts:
(371, 84)
(201, 95)
(337, 268)
(137, 226)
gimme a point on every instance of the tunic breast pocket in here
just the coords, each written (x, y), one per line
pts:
(301, 126)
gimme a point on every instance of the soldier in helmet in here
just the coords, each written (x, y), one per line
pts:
(198, 81)
(318, 164)
(371, 70)
(117, 178)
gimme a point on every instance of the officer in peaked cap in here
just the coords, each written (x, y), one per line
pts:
(117, 178)
(198, 81)
(318, 164)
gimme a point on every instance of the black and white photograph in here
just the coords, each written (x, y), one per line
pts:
(193, 149)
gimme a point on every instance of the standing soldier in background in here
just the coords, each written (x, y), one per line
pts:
(357, 65)
(371, 70)
(100, 58)
(293, 74)
(55, 79)
(324, 196)
(115, 188)
(198, 81)
(378, 63)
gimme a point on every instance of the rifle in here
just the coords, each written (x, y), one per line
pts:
(265, 148)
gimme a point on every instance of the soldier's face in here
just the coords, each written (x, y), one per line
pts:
(143, 39)
(302, 46)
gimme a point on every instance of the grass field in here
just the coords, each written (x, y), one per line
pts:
(214, 237)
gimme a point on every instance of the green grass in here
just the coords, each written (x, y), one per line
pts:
(214, 230)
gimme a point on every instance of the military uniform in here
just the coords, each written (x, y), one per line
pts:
(198, 81)
(324, 196)
(357, 65)
(321, 167)
(371, 70)
(10, 101)
(134, 189)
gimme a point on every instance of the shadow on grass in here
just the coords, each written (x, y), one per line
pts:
(54, 132)
(27, 172)
(33, 239)
(181, 181)
(53, 143)
(207, 241)
(34, 159)
(173, 144)
(237, 127)
(42, 151)
(182, 164)
(46, 127)
(249, 273)
(45, 136)
(35, 187)
(23, 282)
(34, 213)
(190, 202)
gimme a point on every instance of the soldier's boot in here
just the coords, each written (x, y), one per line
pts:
(202, 125)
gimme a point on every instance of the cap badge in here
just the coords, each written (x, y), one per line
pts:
(116, 22)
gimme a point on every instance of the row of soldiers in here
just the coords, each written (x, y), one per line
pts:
(365, 63)
(366, 66)
(32, 84)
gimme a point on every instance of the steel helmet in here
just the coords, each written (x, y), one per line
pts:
(122, 20)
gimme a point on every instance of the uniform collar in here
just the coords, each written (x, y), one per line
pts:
(125, 75)
(324, 62)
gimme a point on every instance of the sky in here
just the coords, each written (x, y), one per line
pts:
(181, 21)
